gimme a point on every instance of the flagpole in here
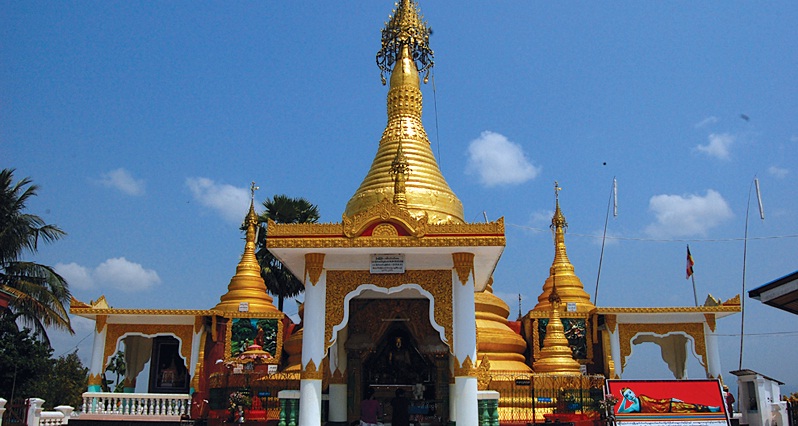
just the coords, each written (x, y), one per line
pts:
(613, 195)
(691, 272)
(695, 295)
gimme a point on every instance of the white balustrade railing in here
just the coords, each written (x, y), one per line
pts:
(140, 405)
(37, 417)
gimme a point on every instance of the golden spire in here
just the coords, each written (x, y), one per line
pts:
(556, 355)
(405, 51)
(247, 285)
(570, 287)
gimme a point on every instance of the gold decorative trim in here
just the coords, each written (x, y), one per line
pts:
(466, 369)
(695, 330)
(184, 333)
(385, 211)
(535, 339)
(338, 377)
(734, 301)
(611, 321)
(368, 242)
(436, 282)
(483, 374)
(95, 379)
(99, 323)
(385, 230)
(710, 321)
(464, 265)
(314, 263)
(670, 310)
(311, 230)
(311, 372)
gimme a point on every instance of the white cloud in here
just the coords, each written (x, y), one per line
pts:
(118, 273)
(78, 277)
(778, 172)
(687, 215)
(498, 161)
(718, 146)
(122, 180)
(227, 200)
(706, 122)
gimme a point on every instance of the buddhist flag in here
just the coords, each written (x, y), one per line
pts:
(690, 262)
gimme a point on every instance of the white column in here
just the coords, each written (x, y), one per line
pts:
(97, 366)
(465, 339)
(196, 339)
(713, 354)
(615, 351)
(337, 413)
(312, 341)
(34, 411)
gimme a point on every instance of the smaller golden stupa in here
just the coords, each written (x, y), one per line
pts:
(247, 285)
(556, 355)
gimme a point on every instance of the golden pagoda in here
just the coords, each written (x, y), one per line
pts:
(247, 286)
(569, 286)
(426, 192)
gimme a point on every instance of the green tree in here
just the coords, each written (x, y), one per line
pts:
(39, 295)
(279, 280)
(64, 383)
(23, 359)
(117, 366)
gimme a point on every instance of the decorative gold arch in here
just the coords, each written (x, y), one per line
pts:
(183, 332)
(436, 282)
(627, 332)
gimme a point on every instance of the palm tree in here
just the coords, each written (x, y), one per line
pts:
(282, 209)
(38, 294)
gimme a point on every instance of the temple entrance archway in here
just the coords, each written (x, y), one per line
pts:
(392, 344)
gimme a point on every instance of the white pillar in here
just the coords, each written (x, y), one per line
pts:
(615, 351)
(97, 366)
(34, 411)
(465, 339)
(713, 354)
(2, 409)
(338, 388)
(312, 341)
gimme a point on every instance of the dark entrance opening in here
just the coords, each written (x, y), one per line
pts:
(168, 373)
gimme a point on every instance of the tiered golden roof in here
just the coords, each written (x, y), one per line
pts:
(504, 347)
(406, 37)
(568, 284)
(247, 286)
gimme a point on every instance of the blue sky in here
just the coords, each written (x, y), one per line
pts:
(144, 123)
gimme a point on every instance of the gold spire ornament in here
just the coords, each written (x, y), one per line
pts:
(569, 285)
(405, 51)
(405, 28)
(247, 288)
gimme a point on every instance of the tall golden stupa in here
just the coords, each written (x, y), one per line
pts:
(425, 190)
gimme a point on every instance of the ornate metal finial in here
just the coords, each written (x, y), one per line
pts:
(558, 220)
(405, 26)
(252, 189)
(399, 171)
